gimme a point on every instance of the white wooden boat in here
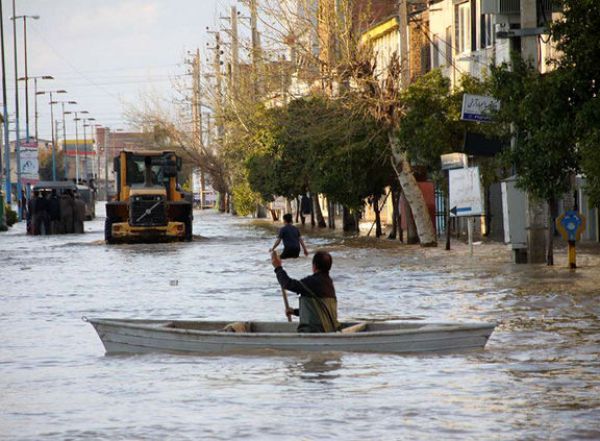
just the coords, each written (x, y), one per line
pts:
(212, 337)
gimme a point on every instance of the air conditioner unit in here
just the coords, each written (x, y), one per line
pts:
(502, 7)
(503, 30)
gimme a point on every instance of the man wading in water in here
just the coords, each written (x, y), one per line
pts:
(291, 239)
(318, 304)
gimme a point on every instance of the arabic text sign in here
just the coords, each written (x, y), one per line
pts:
(478, 107)
(465, 192)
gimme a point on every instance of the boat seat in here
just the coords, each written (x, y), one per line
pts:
(238, 327)
(360, 326)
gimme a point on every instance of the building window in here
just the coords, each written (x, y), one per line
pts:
(448, 46)
(436, 56)
(462, 23)
(487, 30)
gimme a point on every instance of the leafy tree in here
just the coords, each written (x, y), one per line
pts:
(321, 145)
(538, 109)
(45, 164)
(578, 42)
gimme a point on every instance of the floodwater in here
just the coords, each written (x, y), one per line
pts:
(537, 379)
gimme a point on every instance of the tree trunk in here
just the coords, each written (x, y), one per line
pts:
(349, 220)
(395, 213)
(413, 195)
(319, 213)
(331, 213)
(273, 215)
(222, 202)
(312, 211)
(550, 238)
(377, 211)
(412, 236)
(298, 210)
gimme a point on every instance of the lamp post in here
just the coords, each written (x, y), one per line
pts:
(25, 17)
(35, 93)
(62, 103)
(17, 140)
(85, 158)
(50, 92)
(95, 166)
(76, 113)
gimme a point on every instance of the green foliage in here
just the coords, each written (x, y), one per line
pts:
(45, 164)
(578, 41)
(588, 126)
(428, 128)
(544, 154)
(431, 124)
(244, 199)
(320, 145)
(11, 216)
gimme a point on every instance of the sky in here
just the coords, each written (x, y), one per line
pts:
(106, 54)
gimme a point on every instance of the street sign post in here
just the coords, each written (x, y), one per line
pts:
(465, 192)
(465, 196)
(571, 224)
(478, 108)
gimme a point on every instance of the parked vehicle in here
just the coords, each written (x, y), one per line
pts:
(87, 194)
(149, 205)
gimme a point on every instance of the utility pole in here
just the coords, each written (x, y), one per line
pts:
(403, 29)
(5, 115)
(256, 52)
(536, 209)
(218, 103)
(197, 116)
(235, 53)
(218, 85)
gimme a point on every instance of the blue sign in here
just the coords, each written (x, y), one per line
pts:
(571, 222)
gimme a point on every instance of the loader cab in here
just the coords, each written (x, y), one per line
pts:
(149, 206)
(136, 170)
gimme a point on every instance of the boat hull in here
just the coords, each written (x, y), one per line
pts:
(199, 337)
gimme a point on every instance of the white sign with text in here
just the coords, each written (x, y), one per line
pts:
(465, 192)
(478, 107)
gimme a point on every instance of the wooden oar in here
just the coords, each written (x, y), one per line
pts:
(285, 302)
(284, 294)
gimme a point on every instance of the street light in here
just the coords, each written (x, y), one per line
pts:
(17, 140)
(97, 153)
(85, 159)
(77, 140)
(15, 18)
(35, 111)
(50, 92)
(66, 171)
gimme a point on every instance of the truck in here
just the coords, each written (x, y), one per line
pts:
(149, 205)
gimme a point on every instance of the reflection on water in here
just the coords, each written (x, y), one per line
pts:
(319, 367)
(538, 378)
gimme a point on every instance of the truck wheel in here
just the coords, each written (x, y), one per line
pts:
(188, 230)
(108, 231)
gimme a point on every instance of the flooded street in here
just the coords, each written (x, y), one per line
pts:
(538, 378)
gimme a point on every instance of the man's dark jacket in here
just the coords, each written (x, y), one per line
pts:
(318, 303)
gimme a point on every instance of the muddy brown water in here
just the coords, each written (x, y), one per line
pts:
(538, 378)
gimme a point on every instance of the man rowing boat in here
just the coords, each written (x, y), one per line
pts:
(318, 303)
